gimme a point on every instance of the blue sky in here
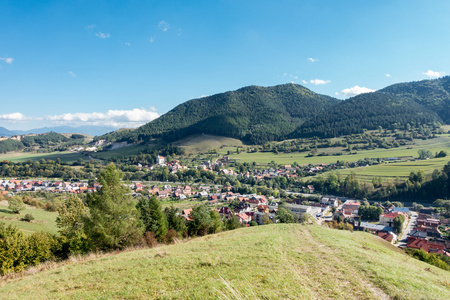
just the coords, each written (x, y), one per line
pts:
(123, 63)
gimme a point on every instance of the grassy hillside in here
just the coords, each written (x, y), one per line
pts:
(65, 156)
(44, 220)
(271, 262)
(204, 143)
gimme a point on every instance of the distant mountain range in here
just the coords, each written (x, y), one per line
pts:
(258, 114)
(89, 130)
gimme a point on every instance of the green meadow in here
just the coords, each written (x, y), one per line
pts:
(24, 156)
(282, 261)
(44, 220)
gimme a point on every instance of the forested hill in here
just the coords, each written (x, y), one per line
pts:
(255, 114)
(367, 111)
(433, 94)
(258, 114)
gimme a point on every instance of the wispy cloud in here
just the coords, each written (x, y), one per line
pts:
(151, 40)
(356, 90)
(433, 74)
(305, 82)
(313, 60)
(90, 27)
(127, 44)
(8, 60)
(116, 118)
(319, 81)
(72, 74)
(290, 76)
(103, 35)
(388, 75)
(163, 26)
(13, 117)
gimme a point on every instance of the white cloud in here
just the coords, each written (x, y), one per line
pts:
(319, 81)
(204, 96)
(163, 26)
(90, 27)
(433, 74)
(313, 60)
(116, 118)
(356, 90)
(336, 93)
(13, 117)
(305, 82)
(127, 44)
(388, 75)
(72, 74)
(103, 35)
(7, 60)
(151, 40)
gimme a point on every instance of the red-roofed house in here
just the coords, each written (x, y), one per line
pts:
(424, 244)
(388, 219)
(243, 218)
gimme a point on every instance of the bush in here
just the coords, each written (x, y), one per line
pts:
(28, 218)
(150, 239)
(171, 236)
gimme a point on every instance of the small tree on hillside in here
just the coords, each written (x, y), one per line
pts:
(153, 217)
(71, 225)
(16, 205)
(113, 221)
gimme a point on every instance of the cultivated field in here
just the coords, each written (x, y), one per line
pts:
(400, 169)
(435, 145)
(265, 262)
(44, 220)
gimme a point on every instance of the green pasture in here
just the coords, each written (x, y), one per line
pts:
(24, 156)
(43, 220)
(394, 170)
(434, 145)
(125, 151)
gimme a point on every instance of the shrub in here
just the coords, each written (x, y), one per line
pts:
(171, 236)
(150, 239)
(28, 218)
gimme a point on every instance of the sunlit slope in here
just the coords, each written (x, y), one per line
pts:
(271, 262)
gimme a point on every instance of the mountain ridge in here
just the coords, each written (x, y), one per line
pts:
(258, 114)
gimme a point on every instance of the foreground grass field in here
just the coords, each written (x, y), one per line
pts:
(44, 220)
(266, 262)
(24, 156)
(393, 170)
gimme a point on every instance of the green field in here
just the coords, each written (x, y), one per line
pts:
(24, 156)
(203, 143)
(283, 261)
(435, 145)
(393, 170)
(130, 150)
(44, 220)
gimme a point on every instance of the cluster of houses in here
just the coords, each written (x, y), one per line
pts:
(427, 236)
(14, 186)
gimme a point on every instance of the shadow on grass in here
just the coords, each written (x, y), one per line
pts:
(7, 211)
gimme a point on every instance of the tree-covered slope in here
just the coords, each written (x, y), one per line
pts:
(282, 261)
(253, 113)
(367, 111)
(433, 94)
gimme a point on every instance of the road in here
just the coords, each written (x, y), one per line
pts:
(408, 229)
